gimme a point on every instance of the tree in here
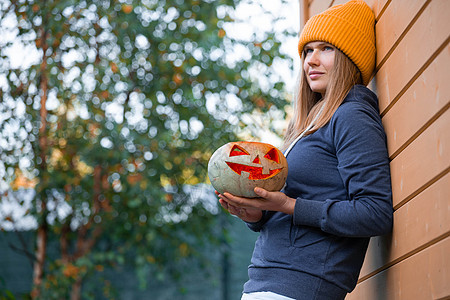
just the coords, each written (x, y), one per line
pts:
(114, 121)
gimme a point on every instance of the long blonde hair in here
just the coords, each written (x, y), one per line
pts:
(308, 103)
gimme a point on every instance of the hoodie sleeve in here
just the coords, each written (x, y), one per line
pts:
(363, 164)
(257, 226)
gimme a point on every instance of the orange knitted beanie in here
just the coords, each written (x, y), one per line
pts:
(351, 28)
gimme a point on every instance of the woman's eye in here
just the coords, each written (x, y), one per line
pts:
(308, 51)
(328, 48)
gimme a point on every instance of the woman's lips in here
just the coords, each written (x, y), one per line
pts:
(315, 75)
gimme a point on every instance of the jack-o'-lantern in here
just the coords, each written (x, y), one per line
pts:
(239, 167)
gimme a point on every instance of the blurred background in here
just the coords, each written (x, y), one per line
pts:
(109, 112)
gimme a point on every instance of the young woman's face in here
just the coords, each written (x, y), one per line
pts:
(317, 65)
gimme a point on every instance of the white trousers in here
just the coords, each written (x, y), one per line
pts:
(264, 296)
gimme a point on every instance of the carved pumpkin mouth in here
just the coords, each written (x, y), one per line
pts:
(256, 173)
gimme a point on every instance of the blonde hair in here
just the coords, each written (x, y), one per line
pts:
(308, 103)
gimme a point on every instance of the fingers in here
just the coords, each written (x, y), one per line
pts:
(235, 210)
(231, 208)
(226, 196)
(229, 197)
(237, 206)
(223, 203)
(261, 192)
(242, 202)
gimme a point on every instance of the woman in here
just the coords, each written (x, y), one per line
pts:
(314, 234)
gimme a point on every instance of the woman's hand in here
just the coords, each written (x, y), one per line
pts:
(250, 209)
(245, 214)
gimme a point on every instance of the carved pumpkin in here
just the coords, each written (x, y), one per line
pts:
(239, 167)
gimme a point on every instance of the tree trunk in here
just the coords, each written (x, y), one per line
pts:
(42, 234)
(38, 268)
(75, 293)
(86, 240)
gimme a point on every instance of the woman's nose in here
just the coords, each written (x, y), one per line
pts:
(313, 58)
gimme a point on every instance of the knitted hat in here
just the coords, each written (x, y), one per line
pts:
(350, 27)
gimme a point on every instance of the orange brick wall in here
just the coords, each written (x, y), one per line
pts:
(413, 85)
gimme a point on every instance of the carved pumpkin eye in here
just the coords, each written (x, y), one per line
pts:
(236, 151)
(273, 155)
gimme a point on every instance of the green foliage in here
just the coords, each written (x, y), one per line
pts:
(5, 294)
(116, 116)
